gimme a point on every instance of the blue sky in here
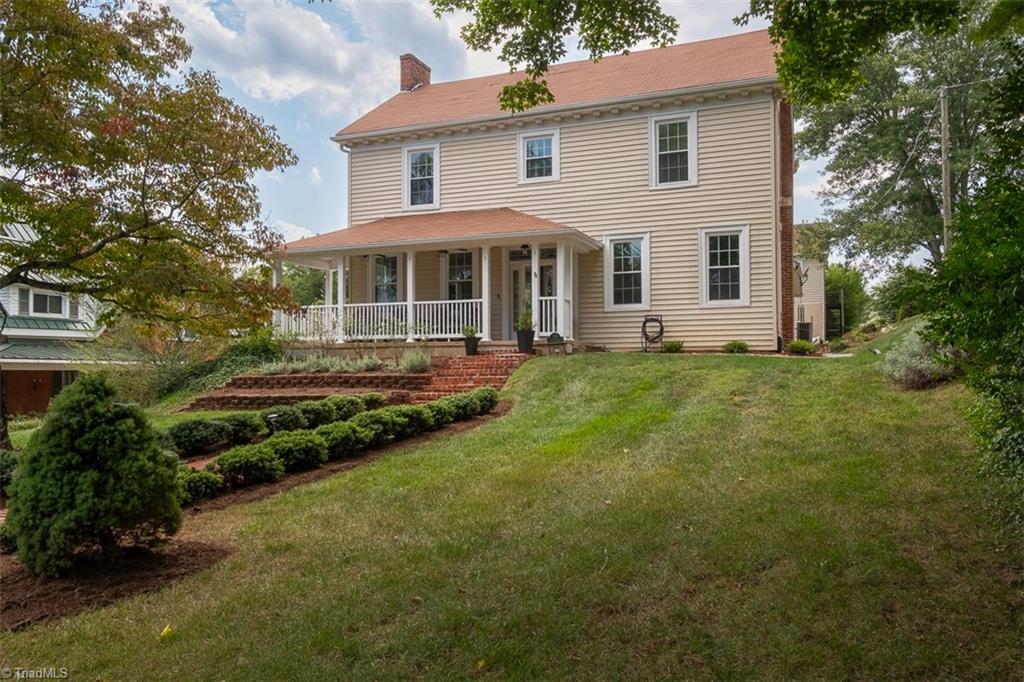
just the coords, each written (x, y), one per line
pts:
(310, 68)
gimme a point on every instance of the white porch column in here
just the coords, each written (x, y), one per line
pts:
(410, 294)
(485, 291)
(275, 279)
(561, 288)
(329, 285)
(342, 267)
(535, 288)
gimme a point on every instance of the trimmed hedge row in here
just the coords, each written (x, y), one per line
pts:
(309, 448)
(200, 436)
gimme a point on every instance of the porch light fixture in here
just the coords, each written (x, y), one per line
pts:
(525, 249)
(442, 253)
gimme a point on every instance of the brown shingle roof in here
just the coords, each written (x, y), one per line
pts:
(427, 227)
(736, 58)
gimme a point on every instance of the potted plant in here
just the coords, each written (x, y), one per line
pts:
(524, 332)
(471, 339)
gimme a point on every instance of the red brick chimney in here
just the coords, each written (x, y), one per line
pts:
(414, 72)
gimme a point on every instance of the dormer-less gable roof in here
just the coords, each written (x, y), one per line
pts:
(742, 58)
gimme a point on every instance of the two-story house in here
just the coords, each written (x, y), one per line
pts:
(38, 355)
(657, 183)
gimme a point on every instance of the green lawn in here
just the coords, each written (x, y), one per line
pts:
(634, 516)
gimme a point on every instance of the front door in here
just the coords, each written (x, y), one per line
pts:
(521, 286)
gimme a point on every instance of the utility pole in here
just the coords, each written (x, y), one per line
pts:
(947, 199)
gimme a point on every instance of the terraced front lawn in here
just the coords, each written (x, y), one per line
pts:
(633, 517)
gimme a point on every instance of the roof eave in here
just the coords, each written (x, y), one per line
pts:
(342, 138)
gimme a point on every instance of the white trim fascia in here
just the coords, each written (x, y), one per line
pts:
(640, 99)
(435, 148)
(692, 149)
(645, 273)
(556, 164)
(589, 242)
(703, 234)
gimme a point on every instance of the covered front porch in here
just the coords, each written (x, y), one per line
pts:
(430, 276)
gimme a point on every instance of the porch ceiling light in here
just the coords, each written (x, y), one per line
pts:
(442, 252)
(525, 249)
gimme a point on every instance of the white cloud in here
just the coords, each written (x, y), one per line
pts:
(314, 176)
(282, 51)
(291, 231)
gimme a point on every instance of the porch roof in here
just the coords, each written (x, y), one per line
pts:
(436, 228)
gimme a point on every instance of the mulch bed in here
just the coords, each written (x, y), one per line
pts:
(26, 599)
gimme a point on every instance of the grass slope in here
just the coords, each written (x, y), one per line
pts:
(633, 517)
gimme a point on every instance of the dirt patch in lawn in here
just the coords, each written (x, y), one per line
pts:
(27, 599)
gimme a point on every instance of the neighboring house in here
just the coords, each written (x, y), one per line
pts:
(809, 295)
(36, 358)
(657, 183)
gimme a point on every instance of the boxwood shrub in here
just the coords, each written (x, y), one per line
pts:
(380, 425)
(801, 347)
(199, 436)
(316, 412)
(247, 464)
(372, 401)
(245, 426)
(418, 419)
(736, 347)
(343, 439)
(283, 418)
(345, 406)
(298, 450)
(465, 405)
(443, 413)
(487, 399)
(198, 485)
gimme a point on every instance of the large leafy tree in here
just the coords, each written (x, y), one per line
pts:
(531, 34)
(135, 175)
(884, 190)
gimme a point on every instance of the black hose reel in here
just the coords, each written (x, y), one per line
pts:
(651, 332)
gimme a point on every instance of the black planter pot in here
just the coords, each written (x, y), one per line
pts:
(524, 337)
(471, 344)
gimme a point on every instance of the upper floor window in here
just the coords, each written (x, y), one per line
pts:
(725, 266)
(460, 276)
(385, 279)
(674, 150)
(422, 176)
(627, 267)
(34, 302)
(538, 156)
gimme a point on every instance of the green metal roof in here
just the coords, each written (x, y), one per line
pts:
(56, 351)
(47, 324)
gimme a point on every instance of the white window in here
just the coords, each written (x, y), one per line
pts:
(460, 276)
(725, 266)
(673, 148)
(44, 303)
(538, 156)
(627, 272)
(24, 298)
(385, 279)
(73, 311)
(421, 172)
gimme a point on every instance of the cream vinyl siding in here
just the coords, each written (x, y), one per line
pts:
(604, 189)
(813, 297)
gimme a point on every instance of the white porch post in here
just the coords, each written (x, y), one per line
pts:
(329, 285)
(535, 288)
(342, 267)
(410, 294)
(561, 288)
(275, 278)
(485, 291)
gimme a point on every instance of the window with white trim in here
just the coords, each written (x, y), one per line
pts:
(24, 300)
(47, 304)
(627, 266)
(673, 147)
(73, 311)
(421, 173)
(460, 276)
(538, 156)
(385, 279)
(725, 266)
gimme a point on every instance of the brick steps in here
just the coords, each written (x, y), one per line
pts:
(368, 380)
(462, 374)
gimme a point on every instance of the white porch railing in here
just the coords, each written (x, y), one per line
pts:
(445, 319)
(379, 321)
(547, 320)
